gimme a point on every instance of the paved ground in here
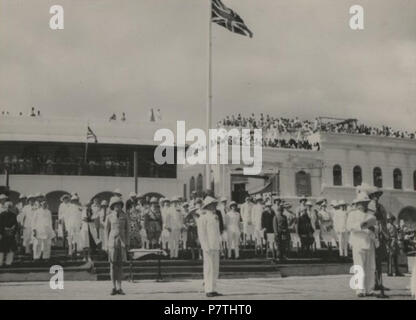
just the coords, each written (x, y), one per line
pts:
(317, 287)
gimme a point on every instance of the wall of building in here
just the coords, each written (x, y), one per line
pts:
(87, 187)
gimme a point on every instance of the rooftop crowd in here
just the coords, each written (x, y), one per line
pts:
(293, 133)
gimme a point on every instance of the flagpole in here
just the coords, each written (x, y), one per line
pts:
(209, 101)
(86, 144)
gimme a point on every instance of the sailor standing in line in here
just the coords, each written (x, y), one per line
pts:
(165, 235)
(267, 228)
(42, 230)
(222, 207)
(63, 210)
(73, 225)
(246, 215)
(28, 212)
(257, 213)
(340, 221)
(232, 223)
(8, 231)
(210, 237)
(174, 224)
(363, 242)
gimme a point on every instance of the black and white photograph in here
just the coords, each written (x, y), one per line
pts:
(213, 150)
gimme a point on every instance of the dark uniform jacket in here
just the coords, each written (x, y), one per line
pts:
(267, 221)
(281, 227)
(8, 231)
(220, 219)
(305, 226)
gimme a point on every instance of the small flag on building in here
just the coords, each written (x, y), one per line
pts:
(91, 135)
(152, 115)
(227, 18)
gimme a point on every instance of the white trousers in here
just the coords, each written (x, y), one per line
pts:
(367, 260)
(330, 237)
(103, 239)
(211, 269)
(258, 237)
(41, 246)
(184, 238)
(343, 243)
(295, 239)
(9, 258)
(248, 230)
(174, 237)
(317, 237)
(27, 238)
(233, 241)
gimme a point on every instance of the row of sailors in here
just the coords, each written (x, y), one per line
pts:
(36, 221)
(169, 222)
(307, 224)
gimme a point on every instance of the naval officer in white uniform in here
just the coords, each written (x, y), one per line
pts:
(210, 239)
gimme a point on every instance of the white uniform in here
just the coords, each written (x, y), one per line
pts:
(363, 248)
(232, 221)
(165, 235)
(73, 225)
(174, 221)
(209, 236)
(62, 212)
(340, 227)
(224, 235)
(43, 233)
(28, 213)
(257, 213)
(246, 215)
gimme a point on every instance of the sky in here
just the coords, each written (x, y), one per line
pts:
(132, 55)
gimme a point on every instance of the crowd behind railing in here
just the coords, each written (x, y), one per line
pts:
(293, 133)
(79, 167)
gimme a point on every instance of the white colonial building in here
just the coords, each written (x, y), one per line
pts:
(50, 156)
(343, 162)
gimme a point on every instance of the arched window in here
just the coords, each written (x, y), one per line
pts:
(377, 177)
(414, 180)
(199, 184)
(337, 174)
(303, 184)
(191, 185)
(357, 176)
(397, 179)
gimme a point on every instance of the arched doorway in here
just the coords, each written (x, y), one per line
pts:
(150, 195)
(54, 200)
(408, 215)
(105, 195)
(13, 196)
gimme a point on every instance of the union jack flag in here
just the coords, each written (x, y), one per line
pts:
(91, 135)
(227, 18)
